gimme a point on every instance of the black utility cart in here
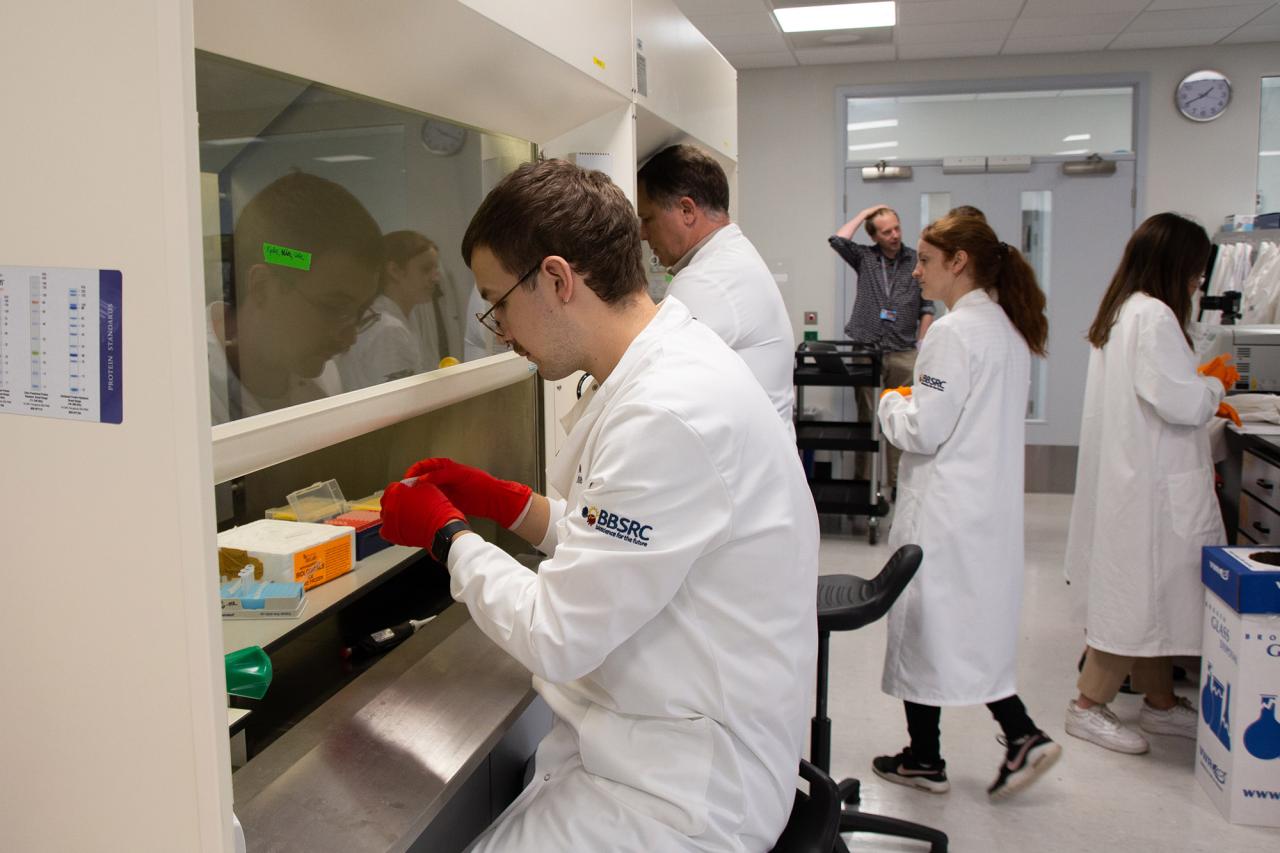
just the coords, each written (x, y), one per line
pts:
(840, 364)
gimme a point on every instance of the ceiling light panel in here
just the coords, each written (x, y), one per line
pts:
(844, 16)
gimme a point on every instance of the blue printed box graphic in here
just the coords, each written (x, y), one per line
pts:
(1215, 704)
(1262, 738)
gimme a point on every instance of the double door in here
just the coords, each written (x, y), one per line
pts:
(1072, 229)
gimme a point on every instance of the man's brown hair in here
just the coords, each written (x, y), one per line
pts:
(553, 207)
(870, 223)
(680, 171)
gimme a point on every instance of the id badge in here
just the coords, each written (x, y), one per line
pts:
(886, 314)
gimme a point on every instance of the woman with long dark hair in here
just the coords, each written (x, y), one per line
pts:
(391, 348)
(1144, 501)
(953, 634)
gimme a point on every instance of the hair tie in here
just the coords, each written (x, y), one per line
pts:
(1004, 249)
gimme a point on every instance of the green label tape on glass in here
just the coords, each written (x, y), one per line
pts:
(283, 256)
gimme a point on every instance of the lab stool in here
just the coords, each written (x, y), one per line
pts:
(815, 817)
(846, 603)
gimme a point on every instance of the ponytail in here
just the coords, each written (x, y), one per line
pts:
(999, 269)
(1022, 299)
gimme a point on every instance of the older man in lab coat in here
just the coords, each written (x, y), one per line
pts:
(683, 199)
(672, 629)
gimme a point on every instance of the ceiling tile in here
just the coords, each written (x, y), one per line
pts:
(957, 11)
(754, 23)
(1057, 44)
(1267, 19)
(775, 59)
(1161, 5)
(717, 7)
(1168, 38)
(934, 33)
(1054, 8)
(1254, 35)
(1080, 25)
(836, 55)
(943, 50)
(762, 43)
(1192, 19)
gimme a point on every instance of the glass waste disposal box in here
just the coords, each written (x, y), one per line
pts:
(1238, 742)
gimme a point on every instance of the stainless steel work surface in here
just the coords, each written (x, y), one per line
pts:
(373, 766)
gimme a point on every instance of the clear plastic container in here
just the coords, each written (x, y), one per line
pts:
(318, 502)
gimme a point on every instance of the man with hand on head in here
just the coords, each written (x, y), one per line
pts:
(672, 627)
(683, 201)
(889, 313)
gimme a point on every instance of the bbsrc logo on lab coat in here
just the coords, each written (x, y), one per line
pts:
(619, 527)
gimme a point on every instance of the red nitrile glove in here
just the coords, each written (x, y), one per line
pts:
(1228, 411)
(473, 491)
(411, 515)
(904, 390)
(1221, 370)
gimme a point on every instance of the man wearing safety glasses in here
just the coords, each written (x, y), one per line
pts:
(671, 627)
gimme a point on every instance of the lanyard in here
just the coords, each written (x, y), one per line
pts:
(884, 272)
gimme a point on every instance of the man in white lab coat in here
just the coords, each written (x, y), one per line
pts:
(672, 629)
(682, 196)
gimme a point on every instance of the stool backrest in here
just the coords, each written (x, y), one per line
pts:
(815, 817)
(846, 602)
(883, 590)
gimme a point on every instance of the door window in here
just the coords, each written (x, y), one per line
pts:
(1041, 123)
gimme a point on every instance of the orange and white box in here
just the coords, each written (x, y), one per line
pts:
(295, 550)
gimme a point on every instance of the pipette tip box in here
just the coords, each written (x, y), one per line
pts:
(262, 601)
(368, 527)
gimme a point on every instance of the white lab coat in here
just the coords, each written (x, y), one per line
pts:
(673, 628)
(728, 286)
(1144, 501)
(952, 635)
(387, 350)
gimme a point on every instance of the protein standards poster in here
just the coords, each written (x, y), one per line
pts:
(61, 344)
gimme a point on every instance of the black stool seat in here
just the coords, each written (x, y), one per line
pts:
(846, 602)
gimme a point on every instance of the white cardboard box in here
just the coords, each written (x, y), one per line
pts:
(294, 550)
(1238, 742)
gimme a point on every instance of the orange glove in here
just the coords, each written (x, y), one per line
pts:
(1225, 410)
(1220, 370)
(904, 390)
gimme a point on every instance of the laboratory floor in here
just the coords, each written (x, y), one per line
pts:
(1092, 799)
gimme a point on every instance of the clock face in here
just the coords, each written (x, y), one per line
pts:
(1203, 96)
(440, 137)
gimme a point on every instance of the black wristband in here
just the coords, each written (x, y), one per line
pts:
(444, 540)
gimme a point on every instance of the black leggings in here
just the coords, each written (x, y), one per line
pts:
(923, 720)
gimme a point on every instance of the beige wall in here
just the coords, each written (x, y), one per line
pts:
(791, 191)
(113, 729)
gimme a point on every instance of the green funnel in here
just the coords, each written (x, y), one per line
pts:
(248, 672)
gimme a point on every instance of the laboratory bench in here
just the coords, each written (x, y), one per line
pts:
(1250, 496)
(418, 748)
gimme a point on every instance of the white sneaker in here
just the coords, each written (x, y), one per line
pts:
(1099, 725)
(1181, 720)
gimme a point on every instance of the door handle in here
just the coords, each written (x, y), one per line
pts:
(1265, 531)
(1265, 484)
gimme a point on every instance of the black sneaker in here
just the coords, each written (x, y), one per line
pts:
(905, 770)
(1025, 760)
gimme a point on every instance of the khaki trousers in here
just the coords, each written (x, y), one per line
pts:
(898, 369)
(1104, 672)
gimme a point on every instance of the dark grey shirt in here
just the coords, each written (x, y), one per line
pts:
(888, 305)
